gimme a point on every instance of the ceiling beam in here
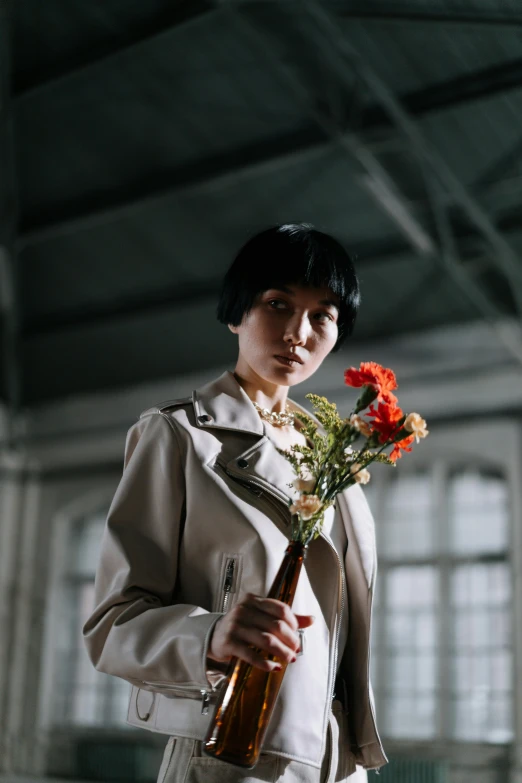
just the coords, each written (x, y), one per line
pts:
(180, 13)
(459, 90)
(205, 176)
(179, 295)
(358, 152)
(475, 19)
(367, 255)
(433, 165)
(384, 13)
(440, 95)
(308, 141)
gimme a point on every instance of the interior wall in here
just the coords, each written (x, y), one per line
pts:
(71, 458)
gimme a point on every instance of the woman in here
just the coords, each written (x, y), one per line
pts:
(199, 524)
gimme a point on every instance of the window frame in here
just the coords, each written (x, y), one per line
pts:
(440, 468)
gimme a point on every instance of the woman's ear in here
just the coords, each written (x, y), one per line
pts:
(232, 328)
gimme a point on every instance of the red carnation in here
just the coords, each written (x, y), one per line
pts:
(386, 418)
(401, 444)
(372, 374)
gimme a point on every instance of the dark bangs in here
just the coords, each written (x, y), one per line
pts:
(290, 254)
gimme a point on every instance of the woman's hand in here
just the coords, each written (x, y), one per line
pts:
(265, 623)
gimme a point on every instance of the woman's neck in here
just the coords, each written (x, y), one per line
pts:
(273, 398)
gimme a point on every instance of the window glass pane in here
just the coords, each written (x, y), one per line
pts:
(86, 542)
(406, 531)
(87, 705)
(121, 691)
(411, 586)
(478, 512)
(480, 584)
(84, 695)
(410, 649)
(483, 717)
(481, 655)
(410, 716)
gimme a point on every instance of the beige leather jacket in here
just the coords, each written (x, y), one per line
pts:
(199, 518)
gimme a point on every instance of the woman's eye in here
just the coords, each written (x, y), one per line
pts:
(327, 316)
(276, 301)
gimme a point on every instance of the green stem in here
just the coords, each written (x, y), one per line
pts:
(326, 460)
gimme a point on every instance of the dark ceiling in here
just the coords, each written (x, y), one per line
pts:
(151, 139)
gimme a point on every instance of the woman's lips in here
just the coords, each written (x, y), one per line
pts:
(288, 362)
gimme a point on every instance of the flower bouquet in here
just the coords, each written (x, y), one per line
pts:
(337, 458)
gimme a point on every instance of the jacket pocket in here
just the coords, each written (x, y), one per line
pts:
(227, 587)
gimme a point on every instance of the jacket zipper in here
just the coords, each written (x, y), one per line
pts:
(259, 490)
(229, 581)
(338, 629)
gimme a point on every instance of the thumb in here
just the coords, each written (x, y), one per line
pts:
(304, 620)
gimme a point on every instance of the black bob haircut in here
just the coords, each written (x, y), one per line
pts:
(292, 253)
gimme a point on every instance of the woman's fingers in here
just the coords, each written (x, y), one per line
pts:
(275, 608)
(259, 623)
(263, 622)
(304, 620)
(267, 641)
(254, 658)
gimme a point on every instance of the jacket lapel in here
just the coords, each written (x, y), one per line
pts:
(224, 404)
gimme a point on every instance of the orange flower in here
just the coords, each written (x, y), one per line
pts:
(405, 445)
(386, 418)
(372, 374)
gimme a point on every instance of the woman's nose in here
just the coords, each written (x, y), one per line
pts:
(297, 330)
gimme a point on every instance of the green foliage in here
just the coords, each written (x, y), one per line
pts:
(325, 459)
(326, 413)
(384, 459)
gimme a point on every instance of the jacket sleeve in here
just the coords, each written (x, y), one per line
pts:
(134, 631)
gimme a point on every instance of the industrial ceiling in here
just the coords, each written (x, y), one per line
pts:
(150, 140)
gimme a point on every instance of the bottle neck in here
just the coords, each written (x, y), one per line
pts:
(297, 549)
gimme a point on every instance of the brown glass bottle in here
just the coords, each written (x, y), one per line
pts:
(247, 699)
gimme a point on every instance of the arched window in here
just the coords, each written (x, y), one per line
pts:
(82, 695)
(442, 656)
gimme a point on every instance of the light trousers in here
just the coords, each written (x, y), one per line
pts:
(185, 762)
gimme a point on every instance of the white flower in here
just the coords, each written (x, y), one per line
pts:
(362, 476)
(348, 451)
(306, 506)
(415, 424)
(361, 425)
(304, 484)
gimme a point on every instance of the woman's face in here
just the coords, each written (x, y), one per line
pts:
(291, 320)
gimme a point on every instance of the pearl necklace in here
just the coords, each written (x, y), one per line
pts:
(277, 419)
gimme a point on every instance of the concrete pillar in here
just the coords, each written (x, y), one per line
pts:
(20, 597)
(11, 501)
(10, 359)
(516, 550)
(28, 602)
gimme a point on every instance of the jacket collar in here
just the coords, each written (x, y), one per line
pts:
(229, 407)
(224, 404)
